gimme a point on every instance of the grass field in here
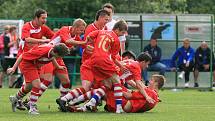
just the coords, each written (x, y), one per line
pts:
(187, 105)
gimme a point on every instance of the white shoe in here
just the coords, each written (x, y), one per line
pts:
(13, 101)
(186, 84)
(90, 106)
(73, 102)
(119, 109)
(181, 75)
(33, 109)
(81, 109)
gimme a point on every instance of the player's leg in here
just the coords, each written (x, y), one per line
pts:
(34, 96)
(25, 89)
(117, 92)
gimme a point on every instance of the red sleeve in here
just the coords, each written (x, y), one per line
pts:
(115, 48)
(25, 31)
(93, 34)
(87, 31)
(48, 32)
(64, 34)
(36, 53)
(136, 72)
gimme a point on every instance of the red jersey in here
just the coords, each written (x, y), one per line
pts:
(39, 54)
(139, 103)
(29, 30)
(90, 28)
(106, 44)
(63, 35)
(134, 70)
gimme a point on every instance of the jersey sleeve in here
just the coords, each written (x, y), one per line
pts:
(115, 48)
(48, 32)
(136, 72)
(36, 53)
(64, 34)
(25, 32)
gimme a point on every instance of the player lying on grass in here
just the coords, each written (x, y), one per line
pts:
(132, 102)
(30, 64)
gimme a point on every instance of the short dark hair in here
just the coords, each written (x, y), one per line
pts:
(144, 56)
(108, 5)
(129, 54)
(121, 25)
(101, 13)
(38, 12)
(61, 49)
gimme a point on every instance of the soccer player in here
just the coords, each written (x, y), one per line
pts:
(69, 35)
(30, 63)
(101, 18)
(134, 102)
(32, 35)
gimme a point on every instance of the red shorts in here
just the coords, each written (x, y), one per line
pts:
(29, 70)
(86, 71)
(103, 68)
(47, 68)
(61, 63)
(137, 105)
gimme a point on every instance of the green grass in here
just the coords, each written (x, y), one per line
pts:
(188, 105)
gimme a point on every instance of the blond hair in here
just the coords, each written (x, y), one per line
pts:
(159, 79)
(79, 22)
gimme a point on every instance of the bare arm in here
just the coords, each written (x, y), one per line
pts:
(16, 64)
(141, 87)
(54, 62)
(74, 42)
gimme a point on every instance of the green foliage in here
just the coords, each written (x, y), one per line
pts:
(16, 9)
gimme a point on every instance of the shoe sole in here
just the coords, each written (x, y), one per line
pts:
(61, 107)
(12, 104)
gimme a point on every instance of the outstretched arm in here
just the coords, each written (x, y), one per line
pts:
(141, 87)
(57, 65)
(16, 64)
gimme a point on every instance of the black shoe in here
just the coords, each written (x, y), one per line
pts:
(62, 105)
(20, 105)
(196, 85)
(26, 104)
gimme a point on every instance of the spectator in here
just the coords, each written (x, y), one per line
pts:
(13, 44)
(155, 51)
(202, 62)
(3, 38)
(185, 62)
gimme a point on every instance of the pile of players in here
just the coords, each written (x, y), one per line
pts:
(103, 73)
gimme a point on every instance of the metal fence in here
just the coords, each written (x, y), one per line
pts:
(197, 27)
